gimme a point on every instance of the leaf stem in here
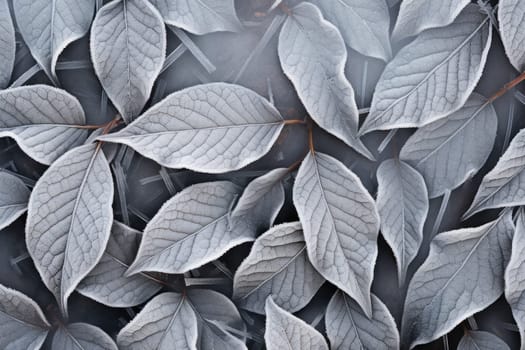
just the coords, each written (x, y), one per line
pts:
(441, 213)
(507, 87)
(310, 136)
(294, 122)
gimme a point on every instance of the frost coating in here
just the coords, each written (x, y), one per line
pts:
(81, 336)
(511, 16)
(477, 340)
(7, 44)
(14, 196)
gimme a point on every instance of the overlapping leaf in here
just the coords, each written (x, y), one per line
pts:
(7, 44)
(478, 340)
(511, 15)
(14, 196)
(81, 336)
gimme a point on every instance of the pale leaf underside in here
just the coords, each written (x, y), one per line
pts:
(82, 336)
(7, 44)
(511, 15)
(14, 196)
(479, 340)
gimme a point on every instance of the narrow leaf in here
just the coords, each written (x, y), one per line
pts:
(478, 340)
(81, 336)
(313, 56)
(277, 266)
(128, 48)
(462, 275)
(14, 196)
(22, 323)
(69, 219)
(348, 328)
(166, 322)
(451, 150)
(512, 30)
(402, 203)
(340, 223)
(432, 76)
(284, 331)
(211, 128)
(7, 44)
(42, 120)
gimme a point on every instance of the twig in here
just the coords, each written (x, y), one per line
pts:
(441, 213)
(194, 49)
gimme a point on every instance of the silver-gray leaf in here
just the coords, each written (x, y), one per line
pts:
(215, 312)
(44, 121)
(191, 229)
(166, 322)
(107, 284)
(213, 128)
(478, 340)
(277, 266)
(514, 287)
(451, 150)
(462, 275)
(364, 24)
(416, 16)
(402, 203)
(511, 16)
(503, 186)
(7, 44)
(201, 16)
(128, 48)
(14, 196)
(340, 223)
(82, 336)
(69, 219)
(313, 56)
(432, 76)
(23, 326)
(285, 331)
(348, 328)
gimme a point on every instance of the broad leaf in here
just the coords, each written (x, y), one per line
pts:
(48, 27)
(478, 340)
(462, 275)
(215, 312)
(211, 128)
(44, 121)
(191, 229)
(503, 186)
(22, 323)
(340, 223)
(313, 56)
(402, 203)
(14, 196)
(285, 331)
(69, 219)
(166, 322)
(107, 284)
(128, 48)
(82, 336)
(451, 150)
(432, 76)
(7, 44)
(277, 266)
(416, 16)
(200, 17)
(512, 29)
(364, 24)
(348, 328)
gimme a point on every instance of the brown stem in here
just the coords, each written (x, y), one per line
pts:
(294, 122)
(285, 9)
(507, 87)
(311, 136)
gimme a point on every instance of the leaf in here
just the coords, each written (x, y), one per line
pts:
(511, 24)
(348, 328)
(107, 284)
(277, 266)
(364, 24)
(201, 16)
(190, 230)
(416, 16)
(14, 196)
(22, 323)
(213, 128)
(340, 223)
(514, 289)
(432, 76)
(477, 340)
(44, 121)
(451, 150)
(214, 311)
(166, 322)
(48, 27)
(128, 48)
(503, 185)
(7, 44)
(402, 203)
(69, 219)
(284, 330)
(313, 56)
(463, 274)
(80, 336)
